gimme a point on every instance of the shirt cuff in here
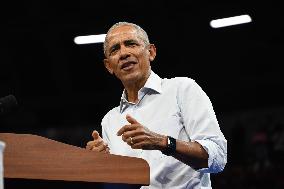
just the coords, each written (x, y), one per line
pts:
(216, 157)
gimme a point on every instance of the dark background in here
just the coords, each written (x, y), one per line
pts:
(63, 89)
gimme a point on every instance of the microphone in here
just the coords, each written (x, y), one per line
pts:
(7, 104)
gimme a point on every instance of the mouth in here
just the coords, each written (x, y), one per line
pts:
(128, 65)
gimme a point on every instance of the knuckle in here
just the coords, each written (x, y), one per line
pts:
(95, 149)
(100, 143)
(141, 129)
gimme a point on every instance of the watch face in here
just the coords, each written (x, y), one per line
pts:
(171, 147)
(169, 141)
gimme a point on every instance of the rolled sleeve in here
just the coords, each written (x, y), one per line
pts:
(217, 155)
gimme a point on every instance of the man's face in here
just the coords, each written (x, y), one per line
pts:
(127, 56)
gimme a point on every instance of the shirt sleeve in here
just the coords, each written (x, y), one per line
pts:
(201, 124)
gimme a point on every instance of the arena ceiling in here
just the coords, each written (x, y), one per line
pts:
(57, 81)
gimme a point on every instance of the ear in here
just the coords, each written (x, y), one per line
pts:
(152, 51)
(107, 65)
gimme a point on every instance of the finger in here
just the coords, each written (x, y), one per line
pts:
(141, 145)
(140, 138)
(90, 145)
(138, 146)
(131, 133)
(125, 128)
(100, 148)
(137, 139)
(95, 143)
(129, 141)
(144, 142)
(131, 119)
(98, 143)
(95, 134)
(107, 150)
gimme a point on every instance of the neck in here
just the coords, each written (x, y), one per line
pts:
(132, 88)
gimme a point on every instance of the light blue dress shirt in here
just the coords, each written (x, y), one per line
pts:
(176, 107)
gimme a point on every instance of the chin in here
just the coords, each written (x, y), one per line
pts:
(131, 77)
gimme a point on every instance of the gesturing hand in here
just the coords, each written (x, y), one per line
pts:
(97, 144)
(140, 137)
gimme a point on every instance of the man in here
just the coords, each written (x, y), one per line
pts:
(168, 122)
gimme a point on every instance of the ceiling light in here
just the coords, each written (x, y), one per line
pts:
(235, 20)
(79, 40)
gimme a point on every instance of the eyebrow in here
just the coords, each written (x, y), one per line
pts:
(126, 42)
(130, 41)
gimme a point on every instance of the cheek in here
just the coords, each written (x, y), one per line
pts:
(113, 63)
(143, 56)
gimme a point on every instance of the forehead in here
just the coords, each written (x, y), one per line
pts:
(122, 33)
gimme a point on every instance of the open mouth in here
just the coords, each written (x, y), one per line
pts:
(128, 65)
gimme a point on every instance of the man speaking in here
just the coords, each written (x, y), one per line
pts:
(168, 122)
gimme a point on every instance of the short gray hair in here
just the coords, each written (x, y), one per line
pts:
(142, 34)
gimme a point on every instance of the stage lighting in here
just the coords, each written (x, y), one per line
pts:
(79, 40)
(235, 20)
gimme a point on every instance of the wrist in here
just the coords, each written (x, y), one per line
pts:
(164, 143)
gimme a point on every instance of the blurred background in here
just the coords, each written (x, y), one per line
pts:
(63, 89)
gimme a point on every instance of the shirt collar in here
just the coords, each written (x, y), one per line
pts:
(154, 83)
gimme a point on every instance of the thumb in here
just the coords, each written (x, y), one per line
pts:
(95, 135)
(131, 119)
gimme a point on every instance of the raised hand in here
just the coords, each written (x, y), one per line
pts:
(140, 137)
(97, 144)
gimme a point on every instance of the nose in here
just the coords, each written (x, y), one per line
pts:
(124, 53)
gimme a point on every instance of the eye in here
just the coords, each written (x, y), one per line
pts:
(132, 43)
(113, 50)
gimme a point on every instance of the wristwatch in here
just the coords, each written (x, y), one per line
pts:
(171, 146)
